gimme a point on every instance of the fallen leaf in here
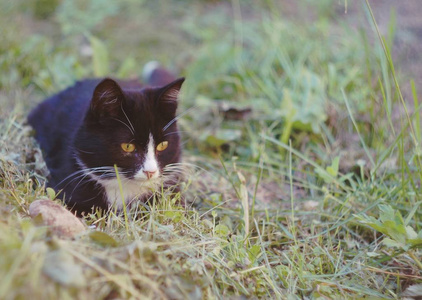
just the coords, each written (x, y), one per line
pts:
(231, 112)
(103, 239)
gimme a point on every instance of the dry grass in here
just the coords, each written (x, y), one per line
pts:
(276, 210)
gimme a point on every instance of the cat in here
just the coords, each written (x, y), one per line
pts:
(87, 129)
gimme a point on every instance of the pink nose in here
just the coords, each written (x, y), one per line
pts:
(150, 174)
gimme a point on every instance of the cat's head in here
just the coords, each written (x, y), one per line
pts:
(134, 129)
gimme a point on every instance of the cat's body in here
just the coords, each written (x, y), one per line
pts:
(88, 128)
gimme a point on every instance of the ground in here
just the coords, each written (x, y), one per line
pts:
(301, 143)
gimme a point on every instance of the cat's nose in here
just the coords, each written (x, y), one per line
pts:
(150, 174)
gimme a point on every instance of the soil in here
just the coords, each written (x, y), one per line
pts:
(407, 54)
(407, 46)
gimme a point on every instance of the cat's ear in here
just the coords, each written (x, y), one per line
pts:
(107, 99)
(168, 97)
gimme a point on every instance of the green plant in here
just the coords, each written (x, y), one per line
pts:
(298, 169)
(80, 17)
(399, 234)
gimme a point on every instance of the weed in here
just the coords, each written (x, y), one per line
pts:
(298, 192)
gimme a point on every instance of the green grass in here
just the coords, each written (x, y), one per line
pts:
(315, 193)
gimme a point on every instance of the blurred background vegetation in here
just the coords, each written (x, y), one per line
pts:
(298, 104)
(240, 55)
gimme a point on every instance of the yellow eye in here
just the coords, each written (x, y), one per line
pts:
(127, 147)
(162, 146)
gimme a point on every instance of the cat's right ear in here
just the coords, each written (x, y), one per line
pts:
(107, 99)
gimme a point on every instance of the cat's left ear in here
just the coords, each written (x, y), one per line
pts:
(168, 97)
(107, 99)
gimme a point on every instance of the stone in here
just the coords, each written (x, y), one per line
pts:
(59, 220)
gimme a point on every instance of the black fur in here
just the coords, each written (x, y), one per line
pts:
(86, 124)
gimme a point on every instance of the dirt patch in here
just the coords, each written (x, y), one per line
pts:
(408, 34)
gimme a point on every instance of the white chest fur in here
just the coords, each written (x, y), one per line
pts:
(131, 190)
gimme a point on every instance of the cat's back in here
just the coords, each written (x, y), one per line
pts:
(69, 106)
(56, 119)
(65, 104)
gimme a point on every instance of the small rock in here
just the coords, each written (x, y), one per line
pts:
(60, 221)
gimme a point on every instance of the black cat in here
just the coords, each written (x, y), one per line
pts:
(87, 129)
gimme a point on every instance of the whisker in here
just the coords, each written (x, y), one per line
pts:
(179, 116)
(89, 199)
(131, 131)
(179, 167)
(191, 165)
(88, 171)
(130, 123)
(174, 132)
(73, 174)
(82, 176)
(87, 152)
(175, 168)
(178, 174)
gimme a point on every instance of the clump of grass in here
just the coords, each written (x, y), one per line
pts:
(274, 210)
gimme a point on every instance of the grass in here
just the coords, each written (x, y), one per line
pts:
(311, 190)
